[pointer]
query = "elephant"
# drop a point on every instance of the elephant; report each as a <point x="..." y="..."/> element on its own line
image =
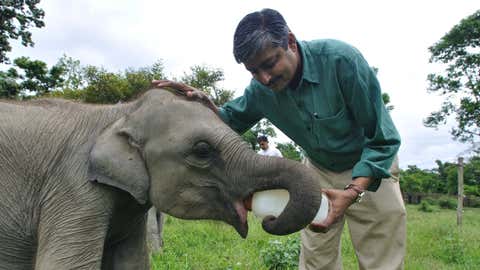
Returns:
<point x="77" y="179"/>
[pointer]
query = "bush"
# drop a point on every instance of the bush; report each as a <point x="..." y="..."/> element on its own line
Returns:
<point x="425" y="206"/>
<point x="281" y="255"/>
<point x="430" y="201"/>
<point x="447" y="203"/>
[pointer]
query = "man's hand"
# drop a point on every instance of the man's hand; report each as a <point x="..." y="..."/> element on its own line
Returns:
<point x="340" y="200"/>
<point x="187" y="90"/>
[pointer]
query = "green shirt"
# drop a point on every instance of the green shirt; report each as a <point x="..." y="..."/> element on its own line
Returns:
<point x="336" y="114"/>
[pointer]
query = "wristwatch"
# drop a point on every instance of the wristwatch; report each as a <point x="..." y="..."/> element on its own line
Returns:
<point x="360" y="191"/>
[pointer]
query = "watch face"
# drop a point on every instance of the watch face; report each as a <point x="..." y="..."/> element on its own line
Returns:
<point x="360" y="197"/>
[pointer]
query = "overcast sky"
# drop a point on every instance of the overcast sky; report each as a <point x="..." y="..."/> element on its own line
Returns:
<point x="394" y="36"/>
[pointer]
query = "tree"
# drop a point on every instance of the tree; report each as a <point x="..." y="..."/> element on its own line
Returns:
<point x="104" y="86"/>
<point x="9" y="88"/>
<point x="32" y="78"/>
<point x="263" y="127"/>
<point x="290" y="150"/>
<point x="385" y="96"/>
<point x="97" y="85"/>
<point x="16" y="17"/>
<point x="73" y="75"/>
<point x="460" y="81"/>
<point x="206" y="79"/>
<point x="140" y="79"/>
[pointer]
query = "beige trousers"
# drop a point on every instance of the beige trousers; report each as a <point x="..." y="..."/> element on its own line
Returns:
<point x="377" y="227"/>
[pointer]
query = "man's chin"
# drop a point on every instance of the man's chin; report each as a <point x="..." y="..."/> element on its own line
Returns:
<point x="278" y="88"/>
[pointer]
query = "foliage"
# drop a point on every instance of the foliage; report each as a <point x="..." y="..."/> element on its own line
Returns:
<point x="447" y="203"/>
<point x="15" y="19"/>
<point x="97" y="85"/>
<point x="415" y="179"/>
<point x="460" y="82"/>
<point x="443" y="179"/>
<point x="282" y="254"/>
<point x="207" y="79"/>
<point x="290" y="150"/>
<point x="73" y="75"/>
<point x="386" y="101"/>
<point x="29" y="77"/>
<point x="263" y="127"/>
<point x="425" y="207"/>
<point x="9" y="88"/>
<point x="105" y="87"/>
<point x="385" y="96"/>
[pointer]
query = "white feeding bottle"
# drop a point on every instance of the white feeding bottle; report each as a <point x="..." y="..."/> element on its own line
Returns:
<point x="272" y="202"/>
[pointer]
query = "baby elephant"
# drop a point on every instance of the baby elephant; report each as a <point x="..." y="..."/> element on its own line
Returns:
<point x="77" y="180"/>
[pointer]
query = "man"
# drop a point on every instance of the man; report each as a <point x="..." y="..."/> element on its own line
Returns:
<point x="266" y="149"/>
<point x="324" y="95"/>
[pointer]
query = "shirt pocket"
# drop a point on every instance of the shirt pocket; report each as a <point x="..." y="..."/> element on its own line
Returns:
<point x="334" y="133"/>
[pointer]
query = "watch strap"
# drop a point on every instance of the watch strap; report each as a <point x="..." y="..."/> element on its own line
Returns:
<point x="359" y="190"/>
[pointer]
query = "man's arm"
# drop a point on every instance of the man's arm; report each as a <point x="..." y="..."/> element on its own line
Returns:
<point x="362" y="93"/>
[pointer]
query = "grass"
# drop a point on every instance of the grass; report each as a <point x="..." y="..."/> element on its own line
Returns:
<point x="434" y="242"/>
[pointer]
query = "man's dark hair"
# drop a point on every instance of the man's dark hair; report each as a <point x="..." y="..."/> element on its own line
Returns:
<point x="258" y="30"/>
<point x="262" y="139"/>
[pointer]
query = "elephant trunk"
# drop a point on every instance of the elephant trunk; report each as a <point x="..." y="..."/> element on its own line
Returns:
<point x="265" y="173"/>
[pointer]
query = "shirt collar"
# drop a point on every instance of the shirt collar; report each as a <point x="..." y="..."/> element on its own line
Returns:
<point x="309" y="68"/>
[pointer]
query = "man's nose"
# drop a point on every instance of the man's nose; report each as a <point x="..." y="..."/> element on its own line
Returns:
<point x="264" y="77"/>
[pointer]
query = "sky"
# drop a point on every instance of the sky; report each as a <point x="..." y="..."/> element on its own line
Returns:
<point x="393" y="36"/>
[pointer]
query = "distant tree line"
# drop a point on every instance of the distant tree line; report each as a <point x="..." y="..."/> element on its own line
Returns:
<point x="442" y="179"/>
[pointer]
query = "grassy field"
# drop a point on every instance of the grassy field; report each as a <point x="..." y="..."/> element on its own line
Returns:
<point x="434" y="242"/>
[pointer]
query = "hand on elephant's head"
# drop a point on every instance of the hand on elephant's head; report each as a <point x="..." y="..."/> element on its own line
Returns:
<point x="180" y="156"/>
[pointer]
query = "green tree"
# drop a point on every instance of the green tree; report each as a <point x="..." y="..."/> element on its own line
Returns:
<point x="16" y="17"/>
<point x="29" y="78"/>
<point x="385" y="96"/>
<point x="290" y="150"/>
<point x="139" y="80"/>
<point x="97" y="85"/>
<point x="263" y="127"/>
<point x="414" y="179"/>
<point x="472" y="176"/>
<point x="459" y="51"/>
<point x="104" y="86"/>
<point x="386" y="101"/>
<point x="207" y="79"/>
<point x="9" y="88"/>
<point x="73" y="75"/>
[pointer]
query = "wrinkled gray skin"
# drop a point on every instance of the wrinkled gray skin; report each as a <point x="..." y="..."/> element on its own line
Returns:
<point x="77" y="180"/>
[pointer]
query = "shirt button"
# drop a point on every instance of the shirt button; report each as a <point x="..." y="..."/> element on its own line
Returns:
<point x="300" y="104"/>
<point x="309" y="128"/>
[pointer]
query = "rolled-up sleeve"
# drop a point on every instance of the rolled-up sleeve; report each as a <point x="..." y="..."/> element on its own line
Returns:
<point x="243" y="112"/>
<point x="362" y="92"/>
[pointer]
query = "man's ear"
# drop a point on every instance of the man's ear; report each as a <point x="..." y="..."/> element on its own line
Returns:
<point x="292" y="42"/>
<point x="116" y="160"/>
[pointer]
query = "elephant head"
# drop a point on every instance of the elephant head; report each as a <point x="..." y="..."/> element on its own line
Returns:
<point x="181" y="157"/>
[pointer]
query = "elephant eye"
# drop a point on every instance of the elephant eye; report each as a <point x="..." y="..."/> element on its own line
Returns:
<point x="201" y="155"/>
<point x="202" y="150"/>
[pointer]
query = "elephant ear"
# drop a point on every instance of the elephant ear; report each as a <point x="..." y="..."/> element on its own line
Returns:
<point x="115" y="160"/>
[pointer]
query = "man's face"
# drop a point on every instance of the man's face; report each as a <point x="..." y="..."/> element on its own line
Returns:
<point x="275" y="67"/>
<point x="263" y="145"/>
